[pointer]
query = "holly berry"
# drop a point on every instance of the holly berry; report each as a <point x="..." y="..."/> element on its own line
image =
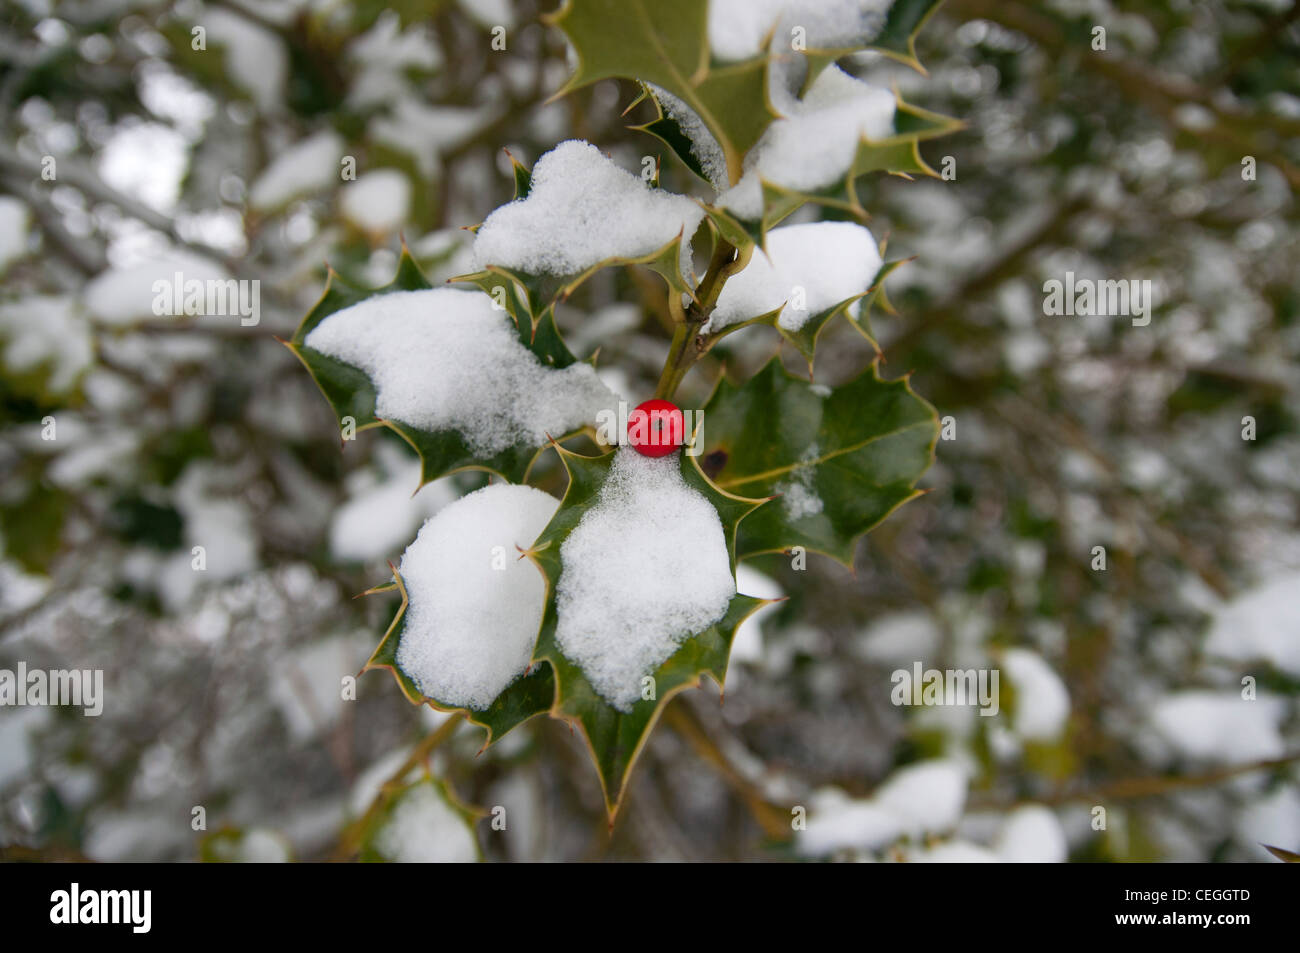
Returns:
<point x="656" y="428"/>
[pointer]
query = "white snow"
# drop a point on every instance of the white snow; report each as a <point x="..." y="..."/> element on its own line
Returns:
<point x="581" y="210"/>
<point x="704" y="145"/>
<point x="309" y="165"/>
<point x="799" y="498"/>
<point x="900" y="637"/>
<point x="1273" y="819"/>
<point x="379" y="517"/>
<point x="382" y="58"/>
<point x="1032" y="835"/>
<point x="1221" y="726"/>
<point x="424" y="829"/>
<point x="825" y="263"/>
<point x="475" y="605"/>
<point x="747" y="646"/>
<point x="14" y="220"/>
<point x="445" y="359"/>
<point x="813" y="147"/>
<point x="426" y="131"/>
<point x="255" y="59"/>
<point x="645" y="569"/>
<point x="1042" y="701"/>
<point x="377" y="202"/>
<point x="1262" y="624"/>
<point x="923" y="798"/>
<point x="46" y="332"/>
<point x="737" y="28"/>
<point x="121" y="296"/>
<point x="926" y="796"/>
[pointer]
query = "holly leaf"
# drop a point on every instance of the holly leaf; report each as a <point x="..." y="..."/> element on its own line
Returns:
<point x="352" y="394"/>
<point x="840" y="459"/>
<point x="804" y="338"/>
<point x="615" y="738"/>
<point x="899" y="154"/>
<point x="665" y="42"/>
<point x="532" y="298"/>
<point x="902" y="23"/>
<point x="529" y="695"/>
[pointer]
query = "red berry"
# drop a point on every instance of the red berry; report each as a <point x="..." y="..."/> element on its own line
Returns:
<point x="656" y="428"/>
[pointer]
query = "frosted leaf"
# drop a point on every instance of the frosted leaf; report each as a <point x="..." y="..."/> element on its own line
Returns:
<point x="813" y="147"/>
<point x="581" y="210"/>
<point x="474" y="606"/>
<point x="704" y="145"/>
<point x="445" y="359"/>
<point x="738" y="28"/>
<point x="310" y="165"/>
<point x="828" y="261"/>
<point x="646" y="568"/>
<point x="424" y="829"/>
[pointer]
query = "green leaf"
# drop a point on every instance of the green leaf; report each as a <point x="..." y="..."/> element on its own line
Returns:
<point x="899" y="154"/>
<point x="533" y="297"/>
<point x="850" y="455"/>
<point x="529" y="695"/>
<point x="670" y="132"/>
<point x="902" y="23"/>
<point x="352" y="394"/>
<point x="805" y="337"/>
<point x="665" y="42"/>
<point x="614" y="737"/>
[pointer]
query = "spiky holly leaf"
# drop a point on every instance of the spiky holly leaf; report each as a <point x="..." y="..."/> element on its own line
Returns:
<point x="841" y="459"/>
<point x="529" y="695"/>
<point x="352" y="394"/>
<point x="856" y="310"/>
<point x="615" y="737"/>
<point x="666" y="42"/>
<point x="902" y="23"/>
<point x="899" y="154"/>
<point x="531" y="299"/>
<point x="450" y="810"/>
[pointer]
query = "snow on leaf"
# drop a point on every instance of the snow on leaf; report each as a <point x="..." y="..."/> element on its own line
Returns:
<point x="649" y="594"/>
<point x="448" y="372"/>
<point x="577" y="213"/>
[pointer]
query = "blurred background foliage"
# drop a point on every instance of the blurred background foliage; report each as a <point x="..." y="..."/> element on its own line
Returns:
<point x="1121" y="686"/>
